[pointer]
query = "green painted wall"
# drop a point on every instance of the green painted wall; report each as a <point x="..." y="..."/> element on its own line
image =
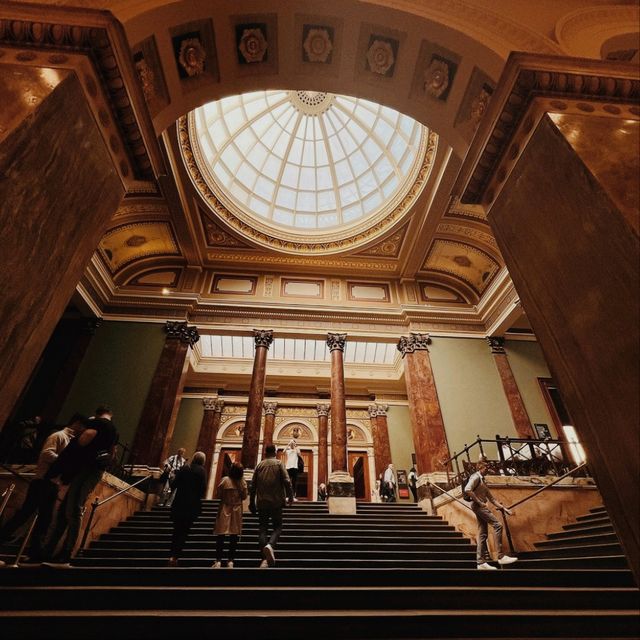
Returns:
<point x="528" y="364"/>
<point x="187" y="429"/>
<point x="470" y="391"/>
<point x="117" y="369"/>
<point x="400" y="436"/>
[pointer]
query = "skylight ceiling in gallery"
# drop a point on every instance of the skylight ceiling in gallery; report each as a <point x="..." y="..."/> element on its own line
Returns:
<point x="298" y="350"/>
<point x="305" y="161"/>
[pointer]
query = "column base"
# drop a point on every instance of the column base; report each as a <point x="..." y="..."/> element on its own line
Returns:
<point x="342" y="494"/>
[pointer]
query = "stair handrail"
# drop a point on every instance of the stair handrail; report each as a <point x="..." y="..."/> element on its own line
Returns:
<point x="451" y="496"/>
<point x="17" y="474"/>
<point x="6" y="496"/>
<point x="546" y="486"/>
<point x="98" y="503"/>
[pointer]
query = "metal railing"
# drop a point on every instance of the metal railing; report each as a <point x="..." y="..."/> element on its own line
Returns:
<point x="98" y="503"/>
<point x="6" y="496"/>
<point x="511" y="457"/>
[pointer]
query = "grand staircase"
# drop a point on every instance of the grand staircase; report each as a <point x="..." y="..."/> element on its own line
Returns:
<point x="388" y="572"/>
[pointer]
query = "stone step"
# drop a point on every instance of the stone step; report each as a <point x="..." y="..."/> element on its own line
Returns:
<point x="585" y="531"/>
<point x="577" y="541"/>
<point x="595" y="522"/>
<point x="172" y="598"/>
<point x="356" y="624"/>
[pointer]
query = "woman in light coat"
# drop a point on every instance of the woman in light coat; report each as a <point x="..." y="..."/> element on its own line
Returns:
<point x="232" y="490"/>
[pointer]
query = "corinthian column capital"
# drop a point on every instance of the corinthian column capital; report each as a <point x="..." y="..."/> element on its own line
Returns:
<point x="263" y="337"/>
<point x="209" y="404"/>
<point x="382" y="410"/>
<point x="373" y="410"/>
<point x="496" y="344"/>
<point x="414" y="342"/>
<point x="323" y="409"/>
<point x="336" y="341"/>
<point x="270" y="408"/>
<point x="183" y="332"/>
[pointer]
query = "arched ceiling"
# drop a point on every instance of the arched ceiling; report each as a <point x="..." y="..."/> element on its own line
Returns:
<point x="437" y="61"/>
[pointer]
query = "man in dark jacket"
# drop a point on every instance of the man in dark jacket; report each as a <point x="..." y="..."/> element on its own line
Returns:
<point x="80" y="465"/>
<point x="189" y="486"/>
<point x="269" y="489"/>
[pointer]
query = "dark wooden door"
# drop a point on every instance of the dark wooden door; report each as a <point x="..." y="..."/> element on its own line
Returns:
<point x="359" y="468"/>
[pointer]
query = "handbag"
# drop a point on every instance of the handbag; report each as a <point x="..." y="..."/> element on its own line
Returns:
<point x="300" y="464"/>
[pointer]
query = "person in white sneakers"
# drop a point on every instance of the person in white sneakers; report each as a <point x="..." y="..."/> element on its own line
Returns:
<point x="478" y="493"/>
<point x="291" y="454"/>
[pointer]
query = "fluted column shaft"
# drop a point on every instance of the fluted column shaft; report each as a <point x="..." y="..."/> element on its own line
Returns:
<point x="519" y="413"/>
<point x="336" y="342"/>
<point x="155" y="429"/>
<point x="323" y="446"/>
<point x="429" y="436"/>
<point x="270" y="409"/>
<point x="251" y="435"/>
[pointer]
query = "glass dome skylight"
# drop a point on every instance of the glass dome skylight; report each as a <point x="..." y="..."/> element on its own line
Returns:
<point x="306" y="162"/>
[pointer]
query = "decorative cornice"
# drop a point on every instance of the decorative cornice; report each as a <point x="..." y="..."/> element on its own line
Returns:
<point x="61" y="36"/>
<point x="529" y="87"/>
<point x="336" y="341"/>
<point x="181" y="331"/>
<point x="323" y="410"/>
<point x="297" y="243"/>
<point x="263" y="337"/>
<point x="496" y="345"/>
<point x="414" y="342"/>
<point x="270" y="408"/>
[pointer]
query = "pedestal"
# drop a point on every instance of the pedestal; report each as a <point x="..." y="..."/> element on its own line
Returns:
<point x="342" y="494"/>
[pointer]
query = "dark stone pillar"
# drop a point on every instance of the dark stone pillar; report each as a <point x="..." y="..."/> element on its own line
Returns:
<point x="209" y="426"/>
<point x="555" y="166"/>
<point x="251" y="436"/>
<point x="429" y="437"/>
<point x="323" y="447"/>
<point x="155" y="429"/>
<point x="62" y="385"/>
<point x="59" y="191"/>
<point x="380" y="433"/>
<point x="519" y="413"/>
<point x="341" y="488"/>
<point x="270" y="409"/>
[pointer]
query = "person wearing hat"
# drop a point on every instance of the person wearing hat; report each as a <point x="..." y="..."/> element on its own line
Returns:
<point x="479" y="495"/>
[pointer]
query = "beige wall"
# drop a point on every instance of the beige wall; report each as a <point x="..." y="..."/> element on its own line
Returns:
<point x="528" y="364"/>
<point x="470" y="391"/>
<point x="187" y="426"/>
<point x="400" y="436"/>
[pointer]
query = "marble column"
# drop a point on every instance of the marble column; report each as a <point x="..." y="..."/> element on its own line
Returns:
<point x="429" y="436"/>
<point x="524" y="429"/>
<point x="323" y="447"/>
<point x="341" y="488"/>
<point x="155" y="428"/>
<point x="53" y="212"/>
<point x="58" y="393"/>
<point x="383" y="454"/>
<point x="555" y="168"/>
<point x="270" y="409"/>
<point x="208" y="434"/>
<point x="251" y="435"/>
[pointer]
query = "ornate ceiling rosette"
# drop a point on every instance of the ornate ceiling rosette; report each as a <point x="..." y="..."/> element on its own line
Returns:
<point x="304" y="172"/>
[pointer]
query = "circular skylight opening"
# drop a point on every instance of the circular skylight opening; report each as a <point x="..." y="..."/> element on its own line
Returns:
<point x="307" y="165"/>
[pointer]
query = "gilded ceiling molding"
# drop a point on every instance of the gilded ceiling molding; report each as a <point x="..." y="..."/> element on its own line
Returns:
<point x="500" y="34"/>
<point x="329" y="264"/>
<point x="530" y="87"/>
<point x="287" y="244"/>
<point x="145" y="209"/>
<point x="97" y="36"/>
<point x="390" y="247"/>
<point x="583" y="32"/>
<point x="471" y="233"/>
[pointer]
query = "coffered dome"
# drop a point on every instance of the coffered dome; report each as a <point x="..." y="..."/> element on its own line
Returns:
<point x="308" y="167"/>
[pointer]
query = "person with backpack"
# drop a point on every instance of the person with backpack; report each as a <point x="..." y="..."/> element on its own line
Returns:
<point x="475" y="490"/>
<point x="80" y="465"/>
<point x="270" y="489"/>
<point x="231" y="492"/>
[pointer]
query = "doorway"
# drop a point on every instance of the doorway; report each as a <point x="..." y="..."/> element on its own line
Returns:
<point x="226" y="458"/>
<point x="304" y="483"/>
<point x="359" y="469"/>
